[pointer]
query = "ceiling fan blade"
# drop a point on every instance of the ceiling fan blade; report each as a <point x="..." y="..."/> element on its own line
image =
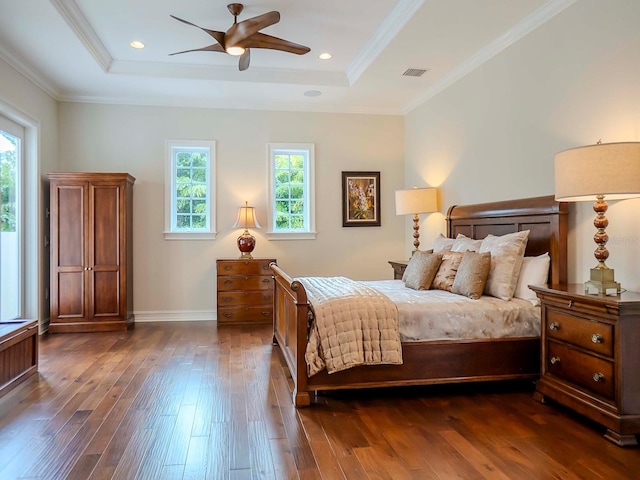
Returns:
<point x="261" y="40"/>
<point x="245" y="58"/>
<point x="219" y="36"/>
<point x="240" y="31"/>
<point x="211" y="48"/>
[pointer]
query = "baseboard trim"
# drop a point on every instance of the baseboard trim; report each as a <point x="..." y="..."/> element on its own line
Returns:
<point x="175" y="316"/>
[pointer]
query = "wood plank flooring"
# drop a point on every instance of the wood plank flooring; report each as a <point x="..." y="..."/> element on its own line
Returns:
<point x="193" y="401"/>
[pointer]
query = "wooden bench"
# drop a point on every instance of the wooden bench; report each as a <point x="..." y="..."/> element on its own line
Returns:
<point x="18" y="352"/>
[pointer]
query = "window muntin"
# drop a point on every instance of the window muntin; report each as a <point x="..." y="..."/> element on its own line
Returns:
<point x="291" y="188"/>
<point x="189" y="190"/>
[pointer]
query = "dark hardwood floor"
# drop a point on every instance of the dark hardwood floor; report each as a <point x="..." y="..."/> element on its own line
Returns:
<point x="192" y="401"/>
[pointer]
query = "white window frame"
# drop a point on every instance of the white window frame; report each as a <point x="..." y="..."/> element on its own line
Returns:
<point x="170" y="231"/>
<point x="308" y="149"/>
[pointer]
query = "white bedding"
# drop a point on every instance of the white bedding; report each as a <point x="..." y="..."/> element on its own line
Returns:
<point x="451" y="316"/>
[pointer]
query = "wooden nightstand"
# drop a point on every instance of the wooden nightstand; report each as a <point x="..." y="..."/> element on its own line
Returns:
<point x="398" y="268"/>
<point x="591" y="357"/>
<point x="245" y="291"/>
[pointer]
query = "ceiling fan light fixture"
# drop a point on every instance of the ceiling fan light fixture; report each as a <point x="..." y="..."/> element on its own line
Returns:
<point x="235" y="51"/>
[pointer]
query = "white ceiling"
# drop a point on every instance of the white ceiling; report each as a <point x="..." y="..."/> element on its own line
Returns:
<point x="78" y="50"/>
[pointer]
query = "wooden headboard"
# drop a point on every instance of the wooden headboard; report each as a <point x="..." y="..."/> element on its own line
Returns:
<point x="545" y="219"/>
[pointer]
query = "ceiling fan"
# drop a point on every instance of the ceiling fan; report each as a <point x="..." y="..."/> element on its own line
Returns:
<point x="241" y="37"/>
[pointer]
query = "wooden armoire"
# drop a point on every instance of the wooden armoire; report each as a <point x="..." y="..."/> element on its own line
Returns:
<point x="91" y="252"/>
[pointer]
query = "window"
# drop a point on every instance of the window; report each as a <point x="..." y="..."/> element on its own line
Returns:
<point x="11" y="225"/>
<point x="189" y="190"/>
<point x="291" y="191"/>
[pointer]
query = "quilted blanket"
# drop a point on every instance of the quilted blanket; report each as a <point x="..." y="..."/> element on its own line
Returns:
<point x="353" y="325"/>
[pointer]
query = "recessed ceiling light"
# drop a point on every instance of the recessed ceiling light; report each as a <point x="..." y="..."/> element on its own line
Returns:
<point x="325" y="56"/>
<point x="137" y="44"/>
<point x="312" y="93"/>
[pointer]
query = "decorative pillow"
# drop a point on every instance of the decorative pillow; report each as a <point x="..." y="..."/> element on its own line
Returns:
<point x="472" y="274"/>
<point x="463" y="243"/>
<point x="442" y="244"/>
<point x="534" y="271"/>
<point x="421" y="269"/>
<point x="447" y="271"/>
<point x="507" y="252"/>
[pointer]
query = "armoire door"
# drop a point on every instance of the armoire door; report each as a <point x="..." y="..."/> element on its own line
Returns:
<point x="69" y="294"/>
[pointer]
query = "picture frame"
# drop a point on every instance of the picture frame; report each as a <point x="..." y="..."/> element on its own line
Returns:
<point x="361" y="199"/>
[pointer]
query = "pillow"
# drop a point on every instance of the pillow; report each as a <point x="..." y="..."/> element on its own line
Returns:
<point x="463" y="243"/>
<point x="472" y="274"/>
<point x="507" y="252"/>
<point x="421" y="269"/>
<point x="442" y="244"/>
<point x="534" y="271"/>
<point x="447" y="271"/>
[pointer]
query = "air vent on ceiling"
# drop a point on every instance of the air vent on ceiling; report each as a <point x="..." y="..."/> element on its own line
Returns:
<point x="414" y="72"/>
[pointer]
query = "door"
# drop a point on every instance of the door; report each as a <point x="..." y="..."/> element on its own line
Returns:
<point x="105" y="253"/>
<point x="69" y="216"/>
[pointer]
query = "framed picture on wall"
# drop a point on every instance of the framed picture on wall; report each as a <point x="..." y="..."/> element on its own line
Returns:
<point x="360" y="199"/>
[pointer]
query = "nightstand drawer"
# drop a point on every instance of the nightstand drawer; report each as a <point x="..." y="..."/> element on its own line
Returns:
<point x="252" y="298"/>
<point x="593" y="373"/>
<point x="238" y="282"/>
<point x="246" y="267"/>
<point x="245" y="314"/>
<point x="586" y="333"/>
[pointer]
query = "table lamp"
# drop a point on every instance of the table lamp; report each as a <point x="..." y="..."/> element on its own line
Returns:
<point x="246" y="219"/>
<point x="593" y="172"/>
<point x="415" y="201"/>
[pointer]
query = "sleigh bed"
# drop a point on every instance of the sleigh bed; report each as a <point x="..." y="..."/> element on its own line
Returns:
<point x="435" y="361"/>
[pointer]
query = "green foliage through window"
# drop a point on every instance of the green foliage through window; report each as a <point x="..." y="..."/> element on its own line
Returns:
<point x="8" y="179"/>
<point x="191" y="189"/>
<point x="289" y="183"/>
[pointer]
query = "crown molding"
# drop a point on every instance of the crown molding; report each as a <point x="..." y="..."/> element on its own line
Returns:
<point x="390" y="27"/>
<point x="74" y="17"/>
<point x="521" y="29"/>
<point x="30" y="73"/>
<point x="226" y="73"/>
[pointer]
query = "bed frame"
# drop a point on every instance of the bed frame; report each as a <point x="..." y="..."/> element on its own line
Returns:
<point x="435" y="361"/>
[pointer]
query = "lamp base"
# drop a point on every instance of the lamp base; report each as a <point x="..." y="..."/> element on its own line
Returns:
<point x="602" y="279"/>
<point x="246" y="244"/>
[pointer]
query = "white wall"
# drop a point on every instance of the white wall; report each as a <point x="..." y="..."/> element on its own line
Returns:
<point x="28" y="105"/>
<point x="493" y="134"/>
<point x="179" y="276"/>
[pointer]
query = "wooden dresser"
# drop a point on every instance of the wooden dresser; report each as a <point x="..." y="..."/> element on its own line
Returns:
<point x="398" y="268"/>
<point x="245" y="291"/>
<point x="591" y="357"/>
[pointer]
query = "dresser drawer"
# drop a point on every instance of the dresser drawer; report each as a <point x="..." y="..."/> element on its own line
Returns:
<point x="239" y="282"/>
<point x="246" y="267"/>
<point x="253" y="298"/>
<point x="592" y="373"/>
<point x="245" y="314"/>
<point x="588" y="334"/>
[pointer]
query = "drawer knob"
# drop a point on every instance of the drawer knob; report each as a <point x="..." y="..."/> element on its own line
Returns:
<point x="226" y="299"/>
<point x="228" y="282"/>
<point x="266" y="297"/>
<point x="227" y="315"/>
<point x="596" y="338"/>
<point x="598" y="377"/>
<point x="266" y="314"/>
<point x="554" y="326"/>
<point x="555" y="360"/>
<point x="227" y="267"/>
<point x="266" y="280"/>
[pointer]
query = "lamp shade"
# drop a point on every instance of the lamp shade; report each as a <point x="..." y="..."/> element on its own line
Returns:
<point x="246" y="218"/>
<point x="416" y="200"/>
<point x="609" y="169"/>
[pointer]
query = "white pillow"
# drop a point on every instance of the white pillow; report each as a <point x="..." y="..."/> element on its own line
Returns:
<point x="442" y="244"/>
<point x="507" y="252"/>
<point x="534" y="271"/>
<point x="463" y="243"/>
